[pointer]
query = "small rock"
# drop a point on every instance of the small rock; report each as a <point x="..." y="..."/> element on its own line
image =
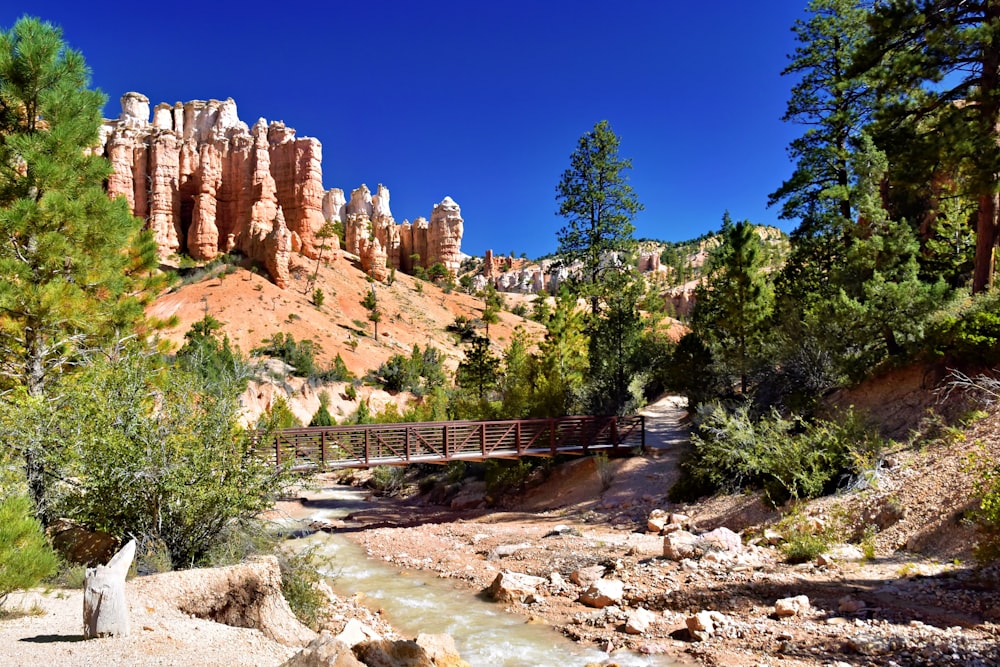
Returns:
<point x="795" y="606"/>
<point x="585" y="576"/>
<point x="513" y="586"/>
<point x="638" y="621"/>
<point x="603" y="593"/>
<point x="724" y="539"/>
<point x="700" y="626"/>
<point x="681" y="544"/>
<point x="656" y="520"/>
<point x="849" y="605"/>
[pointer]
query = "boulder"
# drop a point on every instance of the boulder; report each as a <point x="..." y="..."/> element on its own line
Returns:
<point x="657" y="520"/>
<point x="441" y="649"/>
<point x="324" y="651"/>
<point x="105" y="611"/>
<point x="247" y="595"/>
<point x="638" y="621"/>
<point x="389" y="653"/>
<point x="586" y="576"/>
<point x="514" y="586"/>
<point x="681" y="544"/>
<point x="840" y="553"/>
<point x="701" y="626"/>
<point x="603" y="593"/>
<point x="355" y="632"/>
<point x="794" y="606"/>
<point x="723" y="539"/>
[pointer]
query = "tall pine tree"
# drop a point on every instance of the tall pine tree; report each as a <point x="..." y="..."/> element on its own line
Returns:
<point x="598" y="203"/>
<point x="69" y="253"/>
<point x="736" y="299"/>
<point x="939" y="64"/>
<point x="68" y="250"/>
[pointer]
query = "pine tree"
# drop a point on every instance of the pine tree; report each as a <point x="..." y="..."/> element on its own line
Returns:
<point x="834" y="104"/>
<point x="370" y="302"/>
<point x="70" y="255"/>
<point x="939" y="65"/>
<point x="736" y="299"/>
<point x="599" y="205"/>
<point x="68" y="250"/>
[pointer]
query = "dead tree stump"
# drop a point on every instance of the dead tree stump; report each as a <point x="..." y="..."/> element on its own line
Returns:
<point x="105" y="611"/>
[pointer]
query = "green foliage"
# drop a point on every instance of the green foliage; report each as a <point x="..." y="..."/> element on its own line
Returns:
<point x="388" y="480"/>
<point x="370" y="303"/>
<point x="479" y="371"/>
<point x="988" y="515"/>
<point x="25" y="555"/>
<point x="787" y="458"/>
<point x="503" y="477"/>
<point x="300" y="579"/>
<point x="438" y="273"/>
<point x="206" y="353"/>
<point x="736" y="300"/>
<point x="804" y="539"/>
<point x="598" y="203"/>
<point x="614" y="347"/>
<point x="323" y="417"/>
<point x="318" y="298"/>
<point x="968" y="331"/>
<point x="151" y="451"/>
<point x="301" y="355"/>
<point x="418" y="373"/>
<point x="463" y="326"/>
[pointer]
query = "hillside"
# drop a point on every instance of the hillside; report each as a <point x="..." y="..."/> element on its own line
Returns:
<point x="252" y="309"/>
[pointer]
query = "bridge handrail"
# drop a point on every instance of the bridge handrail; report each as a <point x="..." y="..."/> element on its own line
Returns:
<point x="365" y="445"/>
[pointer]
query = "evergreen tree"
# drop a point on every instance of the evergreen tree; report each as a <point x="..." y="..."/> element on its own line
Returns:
<point x="370" y="302"/>
<point x="614" y="345"/>
<point x="68" y="250"/>
<point x="562" y="360"/>
<point x="834" y="105"/>
<point x="480" y="370"/>
<point x="939" y="65"/>
<point x="736" y="299"/>
<point x="598" y="203"/>
<point x="69" y="254"/>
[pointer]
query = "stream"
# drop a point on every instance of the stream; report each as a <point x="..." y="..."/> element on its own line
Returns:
<point x="414" y="602"/>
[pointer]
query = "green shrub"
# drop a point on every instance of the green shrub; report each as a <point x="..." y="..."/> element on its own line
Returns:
<point x="504" y="477"/>
<point x="300" y="577"/>
<point x="155" y="452"/>
<point x="968" y="330"/>
<point x="299" y="354"/>
<point x="787" y="458"/>
<point x="805" y="540"/>
<point x="25" y="555"/>
<point x="388" y="480"/>
<point x="318" y="297"/>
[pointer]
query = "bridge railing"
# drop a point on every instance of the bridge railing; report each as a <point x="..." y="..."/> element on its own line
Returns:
<point x="363" y="446"/>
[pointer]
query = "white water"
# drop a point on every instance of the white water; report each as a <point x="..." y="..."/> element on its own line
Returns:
<point x="485" y="635"/>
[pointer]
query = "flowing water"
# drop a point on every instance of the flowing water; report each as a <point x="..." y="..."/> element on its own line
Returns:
<point x="485" y="635"/>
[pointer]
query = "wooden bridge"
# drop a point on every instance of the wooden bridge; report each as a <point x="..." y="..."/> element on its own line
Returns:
<point x="363" y="446"/>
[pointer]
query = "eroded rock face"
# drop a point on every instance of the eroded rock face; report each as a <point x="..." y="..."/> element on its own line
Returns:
<point x="207" y="183"/>
<point x="406" y="246"/>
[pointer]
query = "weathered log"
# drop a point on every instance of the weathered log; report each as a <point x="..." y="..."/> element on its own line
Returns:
<point x="105" y="611"/>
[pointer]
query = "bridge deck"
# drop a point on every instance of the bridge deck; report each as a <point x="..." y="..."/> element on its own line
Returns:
<point x="364" y="446"/>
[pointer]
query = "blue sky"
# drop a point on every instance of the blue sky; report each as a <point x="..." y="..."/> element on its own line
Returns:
<point x="481" y="101"/>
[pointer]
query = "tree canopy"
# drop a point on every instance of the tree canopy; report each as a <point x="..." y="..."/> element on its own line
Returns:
<point x="598" y="203"/>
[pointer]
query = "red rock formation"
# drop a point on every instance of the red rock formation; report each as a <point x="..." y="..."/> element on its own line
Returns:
<point x="369" y="217"/>
<point x="206" y="183"/>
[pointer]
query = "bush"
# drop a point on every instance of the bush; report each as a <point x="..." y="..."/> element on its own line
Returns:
<point x="300" y="578"/>
<point x="299" y="354"/>
<point x="387" y="480"/>
<point x="25" y="555"/>
<point x="318" y="297"/>
<point x="504" y="477"/>
<point x="787" y="458"/>
<point x="969" y="331"/>
<point x="155" y="452"/>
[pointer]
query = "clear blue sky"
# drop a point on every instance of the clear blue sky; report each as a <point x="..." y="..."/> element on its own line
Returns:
<point x="481" y="101"/>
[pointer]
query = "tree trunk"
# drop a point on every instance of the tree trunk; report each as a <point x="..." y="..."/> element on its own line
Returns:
<point x="986" y="240"/>
<point x="105" y="611"/>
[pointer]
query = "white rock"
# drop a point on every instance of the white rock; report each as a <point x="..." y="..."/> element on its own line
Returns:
<point x="795" y="606"/>
<point x="638" y="621"/>
<point x="603" y="593"/>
